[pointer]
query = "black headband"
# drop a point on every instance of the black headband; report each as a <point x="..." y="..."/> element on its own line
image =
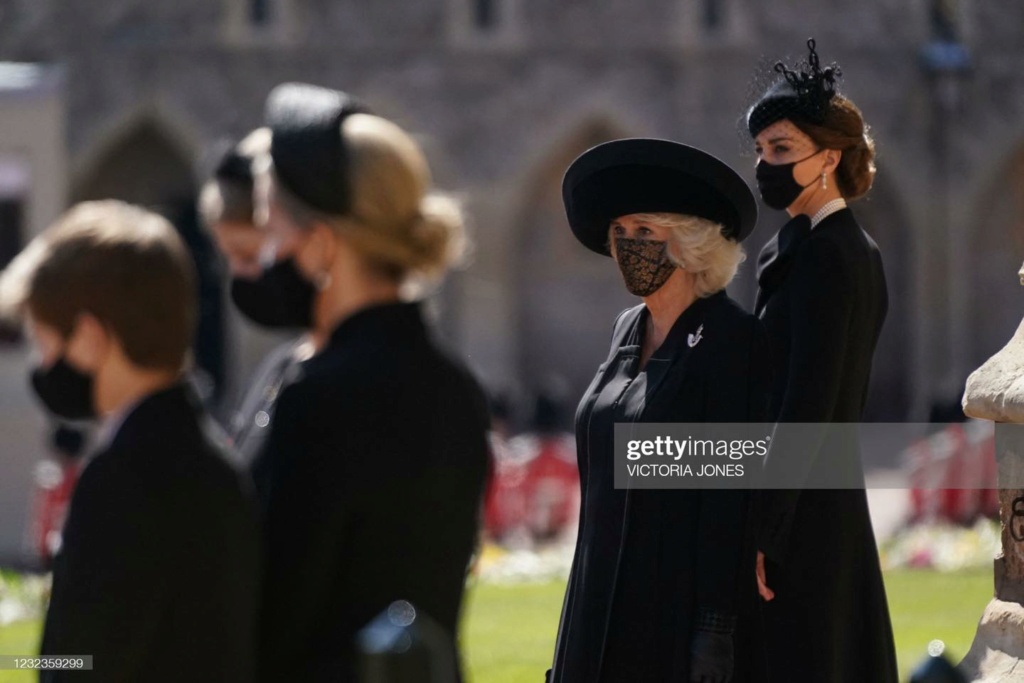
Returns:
<point x="309" y="155"/>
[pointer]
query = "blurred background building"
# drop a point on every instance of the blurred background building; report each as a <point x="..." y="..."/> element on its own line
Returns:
<point x="123" y="98"/>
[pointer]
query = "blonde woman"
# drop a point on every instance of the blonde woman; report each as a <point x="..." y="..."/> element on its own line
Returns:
<point x="660" y="587"/>
<point x="377" y="453"/>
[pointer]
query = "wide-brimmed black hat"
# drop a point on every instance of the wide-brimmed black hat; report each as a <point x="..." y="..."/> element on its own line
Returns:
<point x="641" y="175"/>
<point x="309" y="154"/>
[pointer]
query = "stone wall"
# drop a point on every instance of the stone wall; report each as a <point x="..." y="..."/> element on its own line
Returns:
<point x="501" y="112"/>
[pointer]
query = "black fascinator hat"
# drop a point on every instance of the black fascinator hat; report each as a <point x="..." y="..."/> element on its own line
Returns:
<point x="801" y="95"/>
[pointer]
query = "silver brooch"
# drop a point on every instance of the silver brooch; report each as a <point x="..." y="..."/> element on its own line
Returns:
<point x="695" y="337"/>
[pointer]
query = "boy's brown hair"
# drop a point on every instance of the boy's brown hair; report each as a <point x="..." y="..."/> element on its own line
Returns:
<point x="124" y="265"/>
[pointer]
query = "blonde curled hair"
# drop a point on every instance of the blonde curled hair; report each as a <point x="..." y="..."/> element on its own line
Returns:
<point x="698" y="246"/>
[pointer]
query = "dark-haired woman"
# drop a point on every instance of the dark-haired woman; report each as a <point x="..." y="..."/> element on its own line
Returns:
<point x="822" y="298"/>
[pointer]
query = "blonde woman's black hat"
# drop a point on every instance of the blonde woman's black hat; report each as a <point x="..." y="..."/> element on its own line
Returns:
<point x="309" y="154"/>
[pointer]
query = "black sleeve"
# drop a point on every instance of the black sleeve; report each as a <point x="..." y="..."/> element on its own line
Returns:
<point x="760" y="376"/>
<point x="820" y="313"/>
<point x="304" y="530"/>
<point x="110" y="580"/>
<point x="724" y="513"/>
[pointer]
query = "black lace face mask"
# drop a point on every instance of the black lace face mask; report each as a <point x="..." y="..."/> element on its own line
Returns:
<point x="644" y="264"/>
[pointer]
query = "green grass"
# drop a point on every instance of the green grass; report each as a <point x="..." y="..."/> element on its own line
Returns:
<point x="508" y="634"/>
<point x="509" y="631"/>
<point x="20" y="638"/>
<point x="926" y="605"/>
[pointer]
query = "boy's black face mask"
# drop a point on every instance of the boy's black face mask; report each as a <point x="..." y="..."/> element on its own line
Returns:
<point x="65" y="391"/>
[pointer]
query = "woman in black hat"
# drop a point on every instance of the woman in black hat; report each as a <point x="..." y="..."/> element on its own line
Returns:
<point x="377" y="453"/>
<point x="823" y="299"/>
<point x="662" y="579"/>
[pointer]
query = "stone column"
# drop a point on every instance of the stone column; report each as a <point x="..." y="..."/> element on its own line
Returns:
<point x="995" y="391"/>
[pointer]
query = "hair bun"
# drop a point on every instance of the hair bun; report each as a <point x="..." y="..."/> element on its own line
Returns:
<point x="437" y="235"/>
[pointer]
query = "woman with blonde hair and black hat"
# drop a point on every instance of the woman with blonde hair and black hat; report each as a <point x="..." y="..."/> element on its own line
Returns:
<point x="823" y="299"/>
<point x="377" y="453"/>
<point x="661" y="585"/>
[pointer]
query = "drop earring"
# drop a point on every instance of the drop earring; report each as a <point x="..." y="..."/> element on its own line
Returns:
<point x="824" y="180"/>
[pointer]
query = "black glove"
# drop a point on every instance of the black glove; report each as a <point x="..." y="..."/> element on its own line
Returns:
<point x="711" y="650"/>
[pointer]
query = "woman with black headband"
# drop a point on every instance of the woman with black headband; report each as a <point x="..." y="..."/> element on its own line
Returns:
<point x="823" y="299"/>
<point x="377" y="453"/>
<point x="662" y="582"/>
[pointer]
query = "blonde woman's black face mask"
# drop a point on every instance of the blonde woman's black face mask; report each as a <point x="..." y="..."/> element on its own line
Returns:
<point x="281" y="297"/>
<point x="644" y="264"/>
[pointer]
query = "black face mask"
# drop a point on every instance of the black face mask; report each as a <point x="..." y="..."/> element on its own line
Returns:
<point x="280" y="297"/>
<point x="644" y="264"/>
<point x="777" y="185"/>
<point x="65" y="391"/>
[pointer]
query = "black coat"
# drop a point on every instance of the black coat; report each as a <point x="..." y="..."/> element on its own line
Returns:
<point x="823" y="300"/>
<point x="649" y="563"/>
<point x="157" y="574"/>
<point x="378" y="455"/>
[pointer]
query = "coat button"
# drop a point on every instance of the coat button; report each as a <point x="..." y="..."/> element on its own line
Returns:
<point x="262" y="419"/>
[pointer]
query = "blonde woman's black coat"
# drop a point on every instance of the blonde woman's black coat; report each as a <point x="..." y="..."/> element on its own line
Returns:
<point x="823" y="300"/>
<point x="376" y="462"/>
<point x="651" y="564"/>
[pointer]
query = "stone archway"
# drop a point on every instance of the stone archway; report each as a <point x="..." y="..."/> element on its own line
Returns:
<point x="143" y="165"/>
<point x="567" y="296"/>
<point x="996" y="238"/>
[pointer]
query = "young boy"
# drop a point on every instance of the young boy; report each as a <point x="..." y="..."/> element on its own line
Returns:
<point x="157" y="574"/>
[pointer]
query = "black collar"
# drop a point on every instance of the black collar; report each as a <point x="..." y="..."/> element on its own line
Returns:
<point x="686" y="324"/>
<point x="165" y="414"/>
<point x="777" y="256"/>
<point x="393" y="318"/>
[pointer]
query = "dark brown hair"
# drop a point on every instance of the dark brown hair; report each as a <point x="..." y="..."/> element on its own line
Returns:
<point x="228" y="195"/>
<point x="225" y="201"/>
<point x="843" y="129"/>
<point x="127" y="267"/>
